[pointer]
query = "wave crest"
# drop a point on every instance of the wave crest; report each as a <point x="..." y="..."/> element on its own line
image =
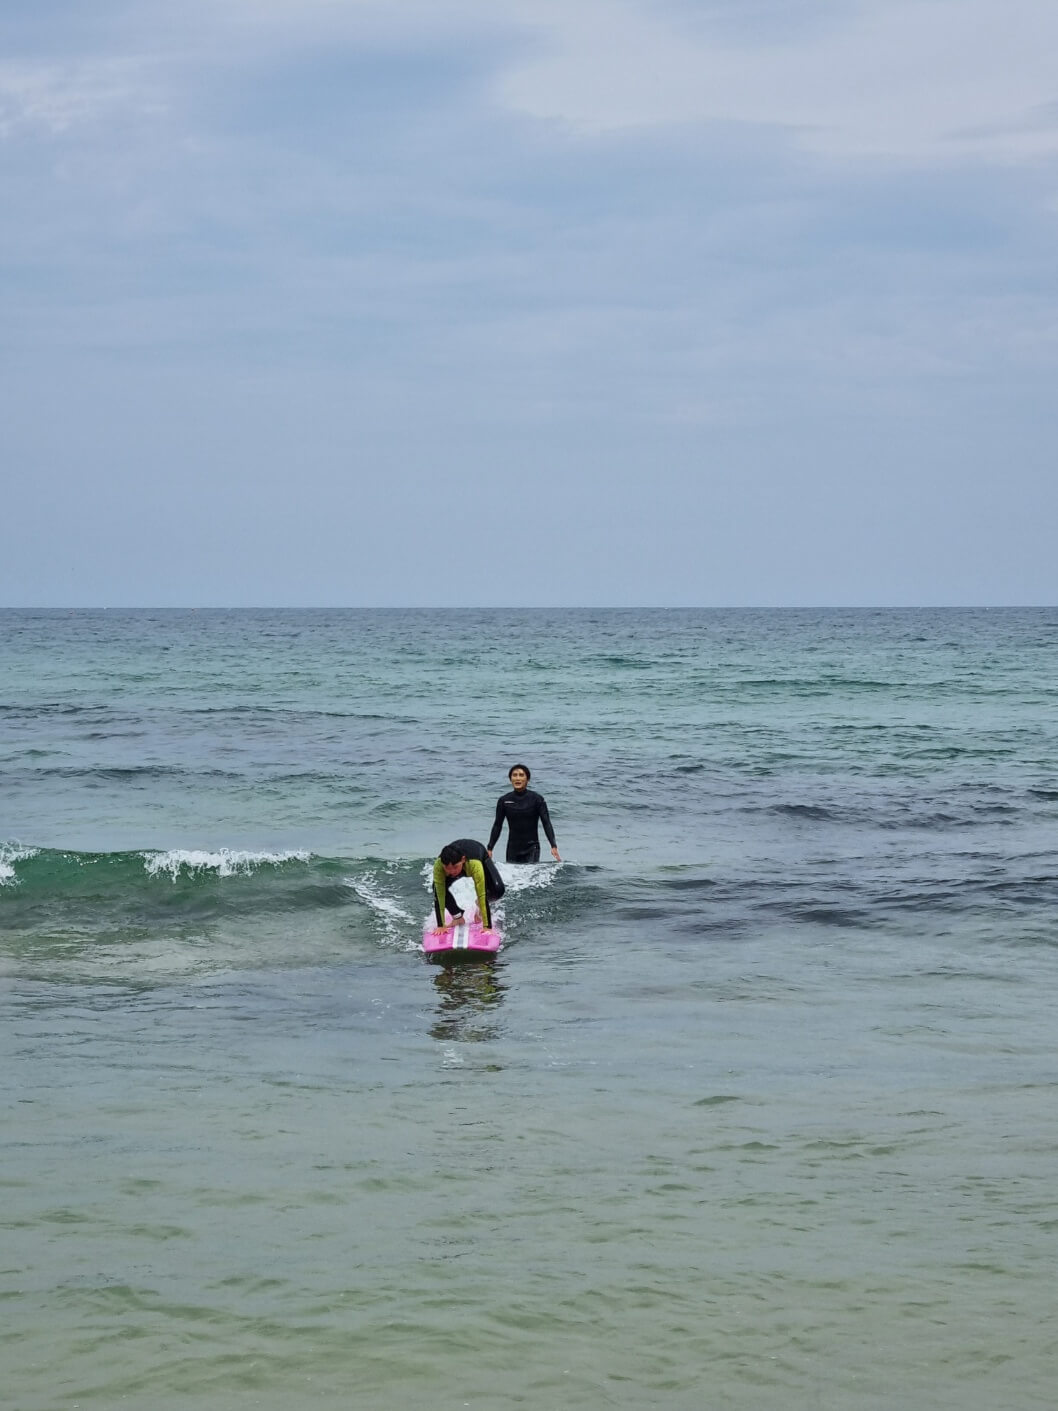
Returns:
<point x="223" y="862"/>
<point x="10" y="853"/>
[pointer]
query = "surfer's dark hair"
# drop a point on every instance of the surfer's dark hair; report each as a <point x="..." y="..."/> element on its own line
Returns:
<point x="524" y="768"/>
<point x="450" y="854"/>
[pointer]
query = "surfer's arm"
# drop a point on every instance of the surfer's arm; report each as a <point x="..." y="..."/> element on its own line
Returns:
<point x="477" y="871"/>
<point x="440" y="892"/>
<point x="545" y="819"/>
<point x="497" y="827"/>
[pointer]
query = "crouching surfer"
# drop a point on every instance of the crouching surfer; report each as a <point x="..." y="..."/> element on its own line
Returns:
<point x="465" y="858"/>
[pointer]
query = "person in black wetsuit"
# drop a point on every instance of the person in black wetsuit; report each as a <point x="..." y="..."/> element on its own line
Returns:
<point x="465" y="858"/>
<point x="522" y="809"/>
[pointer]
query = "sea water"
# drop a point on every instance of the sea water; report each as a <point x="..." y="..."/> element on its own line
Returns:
<point x="758" y="1107"/>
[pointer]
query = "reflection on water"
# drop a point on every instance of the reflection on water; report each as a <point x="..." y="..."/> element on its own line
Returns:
<point x="468" y="996"/>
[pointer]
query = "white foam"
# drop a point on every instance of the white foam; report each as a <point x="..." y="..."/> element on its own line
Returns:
<point x="520" y="876"/>
<point x="368" y="890"/>
<point x="225" y="862"/>
<point x="394" y="918"/>
<point x="10" y="853"/>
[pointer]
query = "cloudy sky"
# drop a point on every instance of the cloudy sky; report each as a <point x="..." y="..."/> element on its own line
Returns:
<point x="528" y="302"/>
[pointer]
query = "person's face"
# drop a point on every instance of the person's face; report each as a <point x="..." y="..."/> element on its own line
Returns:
<point x="519" y="779"/>
<point x="453" y="869"/>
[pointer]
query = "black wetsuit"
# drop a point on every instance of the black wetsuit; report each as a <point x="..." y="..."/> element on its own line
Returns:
<point x="522" y="811"/>
<point x="473" y="851"/>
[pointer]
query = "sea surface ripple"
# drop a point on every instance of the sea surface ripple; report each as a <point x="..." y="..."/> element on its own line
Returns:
<point x="756" y="1108"/>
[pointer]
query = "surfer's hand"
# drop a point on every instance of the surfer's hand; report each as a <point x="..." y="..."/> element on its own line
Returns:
<point x="554" y="854"/>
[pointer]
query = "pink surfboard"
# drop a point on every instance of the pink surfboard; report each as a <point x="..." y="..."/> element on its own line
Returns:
<point x="469" y="938"/>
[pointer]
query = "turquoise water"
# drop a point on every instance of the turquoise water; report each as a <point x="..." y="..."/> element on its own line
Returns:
<point x="755" y="1109"/>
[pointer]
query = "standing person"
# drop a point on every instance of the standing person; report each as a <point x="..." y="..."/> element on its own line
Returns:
<point x="465" y="858"/>
<point x="522" y="809"/>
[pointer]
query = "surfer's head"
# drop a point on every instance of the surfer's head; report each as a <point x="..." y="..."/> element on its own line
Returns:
<point x="519" y="776"/>
<point x="452" y="860"/>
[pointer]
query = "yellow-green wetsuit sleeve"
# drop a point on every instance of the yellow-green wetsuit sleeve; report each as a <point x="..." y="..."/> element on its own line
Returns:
<point x="476" y="870"/>
<point x="439" y="887"/>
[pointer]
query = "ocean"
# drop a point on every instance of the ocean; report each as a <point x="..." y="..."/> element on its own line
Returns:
<point x="757" y="1108"/>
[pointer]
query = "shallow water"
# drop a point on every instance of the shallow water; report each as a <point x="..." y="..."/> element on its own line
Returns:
<point x="756" y="1108"/>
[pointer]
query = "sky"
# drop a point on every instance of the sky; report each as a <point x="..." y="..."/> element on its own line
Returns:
<point x="528" y="302"/>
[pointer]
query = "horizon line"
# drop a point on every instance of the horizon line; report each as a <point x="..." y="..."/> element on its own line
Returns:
<point x="527" y="607"/>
